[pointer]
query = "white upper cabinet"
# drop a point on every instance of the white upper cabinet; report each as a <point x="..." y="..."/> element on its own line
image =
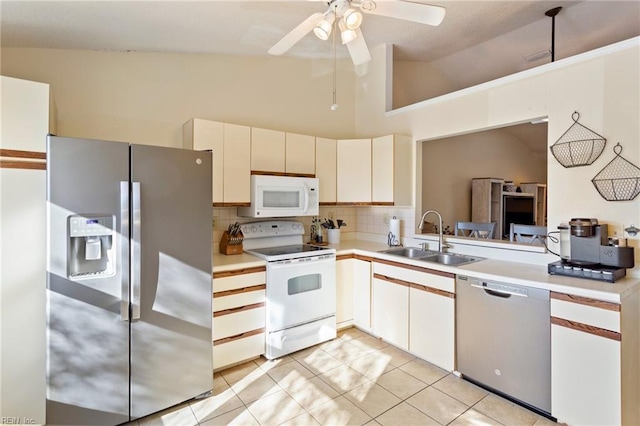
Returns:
<point x="231" y="146"/>
<point x="237" y="160"/>
<point x="300" y="154"/>
<point x="354" y="171"/>
<point x="382" y="169"/>
<point x="267" y="150"/>
<point x="203" y="135"/>
<point x="326" y="169"/>
<point x="392" y="167"/>
<point x="351" y="171"/>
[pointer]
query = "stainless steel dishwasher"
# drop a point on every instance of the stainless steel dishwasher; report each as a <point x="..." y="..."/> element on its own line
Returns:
<point x="503" y="339"/>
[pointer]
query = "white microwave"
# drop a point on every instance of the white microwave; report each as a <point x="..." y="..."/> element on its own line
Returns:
<point x="282" y="196"/>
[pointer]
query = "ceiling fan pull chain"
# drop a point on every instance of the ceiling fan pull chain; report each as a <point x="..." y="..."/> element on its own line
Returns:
<point x="334" y="106"/>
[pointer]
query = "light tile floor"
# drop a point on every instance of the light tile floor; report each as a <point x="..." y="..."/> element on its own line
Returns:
<point x="355" y="379"/>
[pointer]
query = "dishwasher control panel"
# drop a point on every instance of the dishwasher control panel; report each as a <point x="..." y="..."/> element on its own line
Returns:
<point x="501" y="288"/>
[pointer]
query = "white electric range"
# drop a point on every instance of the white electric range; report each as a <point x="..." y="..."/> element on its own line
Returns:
<point x="300" y="287"/>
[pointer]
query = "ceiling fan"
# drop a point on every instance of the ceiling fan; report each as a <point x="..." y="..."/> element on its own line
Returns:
<point x="347" y="16"/>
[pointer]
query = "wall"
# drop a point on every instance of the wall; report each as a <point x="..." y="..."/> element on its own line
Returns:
<point x="492" y="153"/>
<point x="146" y="97"/>
<point x="416" y="81"/>
<point x="602" y="85"/>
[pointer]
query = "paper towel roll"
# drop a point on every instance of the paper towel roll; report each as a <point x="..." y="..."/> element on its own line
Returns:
<point x="394" y="228"/>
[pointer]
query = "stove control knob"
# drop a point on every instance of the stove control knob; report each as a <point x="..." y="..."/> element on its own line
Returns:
<point x="254" y="229"/>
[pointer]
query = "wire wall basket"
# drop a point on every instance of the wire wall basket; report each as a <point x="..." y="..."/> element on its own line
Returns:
<point x="578" y="145"/>
<point x="619" y="180"/>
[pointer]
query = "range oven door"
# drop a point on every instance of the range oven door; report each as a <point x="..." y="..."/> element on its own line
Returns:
<point x="300" y="291"/>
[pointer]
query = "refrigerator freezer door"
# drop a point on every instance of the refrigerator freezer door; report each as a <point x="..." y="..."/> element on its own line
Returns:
<point x="87" y="338"/>
<point x="171" y="351"/>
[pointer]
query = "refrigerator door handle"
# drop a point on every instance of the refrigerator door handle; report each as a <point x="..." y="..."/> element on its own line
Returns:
<point x="135" y="251"/>
<point x="124" y="252"/>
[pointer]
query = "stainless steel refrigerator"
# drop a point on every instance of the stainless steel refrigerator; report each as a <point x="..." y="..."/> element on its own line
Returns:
<point x="128" y="279"/>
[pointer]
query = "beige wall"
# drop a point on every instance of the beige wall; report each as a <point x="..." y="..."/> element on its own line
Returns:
<point x="602" y="85"/>
<point x="449" y="164"/>
<point x="414" y="82"/>
<point x="146" y="97"/>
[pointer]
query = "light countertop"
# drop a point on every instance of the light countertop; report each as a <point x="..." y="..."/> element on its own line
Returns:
<point x="487" y="269"/>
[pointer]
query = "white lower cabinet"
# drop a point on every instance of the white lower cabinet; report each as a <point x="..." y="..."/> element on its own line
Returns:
<point x="414" y="309"/>
<point x="238" y="316"/>
<point x="344" y="291"/>
<point x="362" y="293"/>
<point x="582" y="391"/>
<point x="390" y="310"/>
<point x="594" y="353"/>
<point x="432" y="325"/>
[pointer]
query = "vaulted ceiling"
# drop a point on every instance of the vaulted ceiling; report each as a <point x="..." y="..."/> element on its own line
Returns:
<point x="251" y="27"/>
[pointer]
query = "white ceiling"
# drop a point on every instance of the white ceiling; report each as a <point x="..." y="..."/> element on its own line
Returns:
<point x="252" y="27"/>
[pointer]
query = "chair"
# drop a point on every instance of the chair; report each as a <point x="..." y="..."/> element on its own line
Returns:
<point x="475" y="229"/>
<point x="531" y="234"/>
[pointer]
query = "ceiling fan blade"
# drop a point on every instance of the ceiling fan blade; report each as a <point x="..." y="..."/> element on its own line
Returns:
<point x="295" y="35"/>
<point x="408" y="11"/>
<point x="358" y="49"/>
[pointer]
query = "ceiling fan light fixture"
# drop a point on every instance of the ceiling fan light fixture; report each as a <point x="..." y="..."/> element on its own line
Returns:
<point x="352" y="19"/>
<point x="346" y="35"/>
<point x="323" y="29"/>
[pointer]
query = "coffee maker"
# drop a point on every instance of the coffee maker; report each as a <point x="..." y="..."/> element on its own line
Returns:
<point x="588" y="252"/>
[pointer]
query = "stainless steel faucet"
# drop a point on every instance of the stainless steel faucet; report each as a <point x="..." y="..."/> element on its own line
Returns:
<point x="441" y="244"/>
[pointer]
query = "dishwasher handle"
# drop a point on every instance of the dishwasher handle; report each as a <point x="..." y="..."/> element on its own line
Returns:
<point x="501" y="290"/>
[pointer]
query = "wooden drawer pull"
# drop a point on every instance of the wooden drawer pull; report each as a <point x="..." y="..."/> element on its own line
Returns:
<point x="585" y="301"/>
<point x="238" y="336"/>
<point x="238" y="309"/>
<point x="585" y="328"/>
<point x="245" y="271"/>
<point x="240" y="290"/>
<point x="433" y="290"/>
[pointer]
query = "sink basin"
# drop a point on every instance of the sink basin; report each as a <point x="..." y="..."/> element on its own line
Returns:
<point x="432" y="256"/>
<point x="410" y="252"/>
<point x="451" y="259"/>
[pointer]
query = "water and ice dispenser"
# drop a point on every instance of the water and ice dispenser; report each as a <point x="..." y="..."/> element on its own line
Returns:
<point x="90" y="243"/>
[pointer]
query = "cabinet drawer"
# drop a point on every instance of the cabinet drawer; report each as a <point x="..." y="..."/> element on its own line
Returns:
<point x="232" y="322"/>
<point x="606" y="316"/>
<point x="231" y="300"/>
<point x="233" y="351"/>
<point x="413" y="276"/>
<point x="233" y="282"/>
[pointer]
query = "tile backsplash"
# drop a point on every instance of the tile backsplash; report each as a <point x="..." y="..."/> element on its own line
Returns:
<point x="361" y="219"/>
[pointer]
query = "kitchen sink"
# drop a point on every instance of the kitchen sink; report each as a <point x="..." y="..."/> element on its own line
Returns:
<point x="451" y="259"/>
<point x="410" y="252"/>
<point x="432" y="256"/>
